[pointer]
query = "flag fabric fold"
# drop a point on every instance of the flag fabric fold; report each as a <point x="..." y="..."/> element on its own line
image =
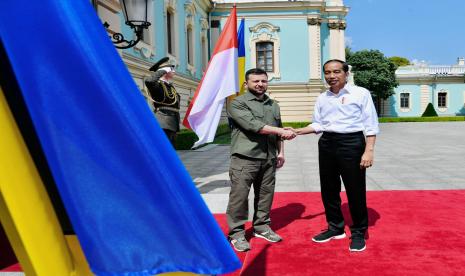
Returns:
<point x="131" y="202"/>
<point x="219" y="81"/>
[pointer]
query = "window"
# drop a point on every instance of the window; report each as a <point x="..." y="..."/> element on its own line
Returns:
<point x="265" y="56"/>
<point x="404" y="100"/>
<point x="442" y="99"/>
<point x="170" y="31"/>
<point x="204" y="53"/>
<point x="190" y="46"/>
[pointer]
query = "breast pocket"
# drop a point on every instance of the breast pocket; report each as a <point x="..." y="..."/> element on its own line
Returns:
<point x="258" y="113"/>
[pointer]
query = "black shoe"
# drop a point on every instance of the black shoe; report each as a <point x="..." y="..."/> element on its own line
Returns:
<point x="357" y="243"/>
<point x="328" y="235"/>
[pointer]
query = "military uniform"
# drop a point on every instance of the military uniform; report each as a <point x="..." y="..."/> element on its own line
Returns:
<point x="165" y="100"/>
<point x="253" y="161"/>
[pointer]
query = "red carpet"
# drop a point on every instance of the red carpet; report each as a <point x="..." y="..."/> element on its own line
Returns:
<point x="410" y="233"/>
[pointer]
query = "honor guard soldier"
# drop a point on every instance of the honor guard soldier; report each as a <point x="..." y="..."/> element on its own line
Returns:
<point x="165" y="99"/>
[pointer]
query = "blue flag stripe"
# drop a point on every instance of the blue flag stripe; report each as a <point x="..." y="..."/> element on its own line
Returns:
<point x="132" y="204"/>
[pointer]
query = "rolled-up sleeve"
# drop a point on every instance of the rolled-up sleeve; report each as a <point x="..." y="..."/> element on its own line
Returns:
<point x="243" y="117"/>
<point x="316" y="119"/>
<point x="370" y="118"/>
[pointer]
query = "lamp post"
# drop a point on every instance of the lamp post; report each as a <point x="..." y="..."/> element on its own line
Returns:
<point x="135" y="14"/>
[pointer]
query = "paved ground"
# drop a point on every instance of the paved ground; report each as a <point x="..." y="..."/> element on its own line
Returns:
<point x="408" y="156"/>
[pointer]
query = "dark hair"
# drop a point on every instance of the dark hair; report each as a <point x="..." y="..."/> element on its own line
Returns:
<point x="255" y="71"/>
<point x="345" y="66"/>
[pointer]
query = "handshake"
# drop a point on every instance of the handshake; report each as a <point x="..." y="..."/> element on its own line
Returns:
<point x="288" y="133"/>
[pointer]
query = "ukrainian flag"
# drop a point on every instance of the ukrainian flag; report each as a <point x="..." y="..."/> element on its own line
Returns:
<point x="240" y="61"/>
<point x="241" y="57"/>
<point x="131" y="202"/>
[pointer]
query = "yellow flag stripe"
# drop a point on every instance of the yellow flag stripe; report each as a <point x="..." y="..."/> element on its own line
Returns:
<point x="25" y="209"/>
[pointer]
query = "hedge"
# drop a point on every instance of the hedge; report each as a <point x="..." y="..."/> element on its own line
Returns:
<point x="186" y="137"/>
<point x="429" y="111"/>
<point x="420" y="119"/>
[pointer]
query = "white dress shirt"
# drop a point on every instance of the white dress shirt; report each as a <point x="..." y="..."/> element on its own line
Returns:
<point x="350" y="110"/>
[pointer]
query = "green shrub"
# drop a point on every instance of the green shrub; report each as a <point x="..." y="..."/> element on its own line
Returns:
<point x="420" y="119"/>
<point x="186" y="137"/>
<point x="429" y="111"/>
<point x="296" y="124"/>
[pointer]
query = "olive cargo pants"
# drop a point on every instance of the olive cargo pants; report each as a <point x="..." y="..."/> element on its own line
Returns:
<point x="245" y="172"/>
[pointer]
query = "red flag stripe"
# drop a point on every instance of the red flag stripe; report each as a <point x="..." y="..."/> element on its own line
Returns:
<point x="227" y="40"/>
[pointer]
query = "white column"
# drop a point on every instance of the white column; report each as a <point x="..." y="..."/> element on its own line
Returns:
<point x="314" y="43"/>
<point x="336" y="40"/>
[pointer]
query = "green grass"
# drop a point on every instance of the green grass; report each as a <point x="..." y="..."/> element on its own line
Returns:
<point x="224" y="139"/>
<point x="186" y="138"/>
<point x="421" y="119"/>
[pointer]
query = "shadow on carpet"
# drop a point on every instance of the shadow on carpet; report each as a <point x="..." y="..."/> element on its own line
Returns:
<point x="410" y="233"/>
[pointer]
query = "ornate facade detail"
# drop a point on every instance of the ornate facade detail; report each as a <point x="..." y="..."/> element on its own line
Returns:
<point x="337" y="25"/>
<point x="204" y="24"/>
<point x="264" y="25"/>
<point x="314" y="21"/>
<point x="190" y="9"/>
<point x="266" y="32"/>
<point x="171" y="4"/>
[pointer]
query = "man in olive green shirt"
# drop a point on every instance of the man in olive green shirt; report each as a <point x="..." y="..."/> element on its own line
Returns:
<point x="257" y="149"/>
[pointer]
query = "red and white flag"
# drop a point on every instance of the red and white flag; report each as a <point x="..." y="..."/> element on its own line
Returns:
<point x="219" y="81"/>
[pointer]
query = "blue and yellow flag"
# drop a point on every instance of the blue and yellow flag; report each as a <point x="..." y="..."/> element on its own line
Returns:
<point x="240" y="61"/>
<point x="241" y="57"/>
<point x="130" y="200"/>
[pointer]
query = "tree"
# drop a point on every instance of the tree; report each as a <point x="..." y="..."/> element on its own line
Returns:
<point x="400" y="61"/>
<point x="349" y="52"/>
<point x="429" y="111"/>
<point x="375" y="72"/>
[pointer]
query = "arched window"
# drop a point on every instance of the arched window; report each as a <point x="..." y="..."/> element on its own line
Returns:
<point x="265" y="56"/>
<point x="204" y="53"/>
<point x="190" y="46"/>
<point x="264" y="49"/>
<point x="170" y="39"/>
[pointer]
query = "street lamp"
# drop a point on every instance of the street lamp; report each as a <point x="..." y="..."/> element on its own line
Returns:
<point x="135" y="13"/>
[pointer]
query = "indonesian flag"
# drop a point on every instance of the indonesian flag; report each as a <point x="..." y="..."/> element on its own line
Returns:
<point x="219" y="81"/>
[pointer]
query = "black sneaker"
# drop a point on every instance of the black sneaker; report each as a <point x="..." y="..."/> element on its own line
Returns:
<point x="357" y="244"/>
<point x="240" y="244"/>
<point x="328" y="235"/>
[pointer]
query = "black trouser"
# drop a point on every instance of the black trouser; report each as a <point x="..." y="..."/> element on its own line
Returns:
<point x="339" y="157"/>
<point x="171" y="136"/>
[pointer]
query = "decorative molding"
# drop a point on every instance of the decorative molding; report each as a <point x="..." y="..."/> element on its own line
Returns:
<point x="190" y="9"/>
<point x="314" y="21"/>
<point x="204" y="24"/>
<point x="266" y="32"/>
<point x="171" y="4"/>
<point x="264" y="25"/>
<point x="337" y="25"/>
<point x="145" y="49"/>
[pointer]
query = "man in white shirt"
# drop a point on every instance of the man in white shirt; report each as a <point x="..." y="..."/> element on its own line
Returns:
<point x="347" y="117"/>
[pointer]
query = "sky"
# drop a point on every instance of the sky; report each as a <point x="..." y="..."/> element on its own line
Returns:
<point x="419" y="30"/>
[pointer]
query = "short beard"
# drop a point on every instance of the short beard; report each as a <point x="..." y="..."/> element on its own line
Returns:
<point x="253" y="91"/>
